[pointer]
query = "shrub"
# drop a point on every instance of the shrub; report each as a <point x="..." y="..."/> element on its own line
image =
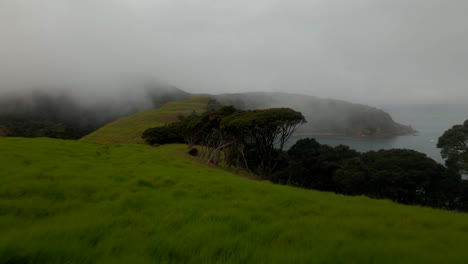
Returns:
<point x="193" y="152"/>
<point x="162" y="135"/>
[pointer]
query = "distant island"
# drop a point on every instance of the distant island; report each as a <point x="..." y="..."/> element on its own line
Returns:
<point x="324" y="116"/>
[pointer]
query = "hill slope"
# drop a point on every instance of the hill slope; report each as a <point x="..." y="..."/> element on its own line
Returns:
<point x="81" y="202"/>
<point x="129" y="129"/>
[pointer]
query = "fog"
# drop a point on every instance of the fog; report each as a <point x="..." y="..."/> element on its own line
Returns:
<point x="364" y="51"/>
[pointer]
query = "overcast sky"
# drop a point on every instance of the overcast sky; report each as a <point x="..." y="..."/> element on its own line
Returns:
<point x="367" y="51"/>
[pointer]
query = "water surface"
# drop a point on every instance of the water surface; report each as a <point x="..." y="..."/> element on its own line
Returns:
<point x="430" y="120"/>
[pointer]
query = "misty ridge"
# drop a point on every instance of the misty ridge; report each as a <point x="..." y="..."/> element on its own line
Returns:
<point x="324" y="116"/>
<point x="66" y="114"/>
<point x="331" y="49"/>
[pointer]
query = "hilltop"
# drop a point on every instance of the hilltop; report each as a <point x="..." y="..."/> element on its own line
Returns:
<point x="129" y="129"/>
<point x="83" y="202"/>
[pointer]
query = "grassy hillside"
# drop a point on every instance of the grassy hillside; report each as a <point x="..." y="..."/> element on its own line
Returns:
<point x="83" y="202"/>
<point x="129" y="129"/>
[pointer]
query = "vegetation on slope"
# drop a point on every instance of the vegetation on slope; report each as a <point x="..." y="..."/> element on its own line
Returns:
<point x="227" y="132"/>
<point x="130" y="128"/>
<point x="82" y="202"/>
<point x="254" y="140"/>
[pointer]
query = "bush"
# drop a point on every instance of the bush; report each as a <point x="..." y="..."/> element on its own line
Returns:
<point x="404" y="176"/>
<point x="193" y="152"/>
<point x="162" y="135"/>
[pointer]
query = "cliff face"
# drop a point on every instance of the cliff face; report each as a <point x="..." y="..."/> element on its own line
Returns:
<point x="324" y="116"/>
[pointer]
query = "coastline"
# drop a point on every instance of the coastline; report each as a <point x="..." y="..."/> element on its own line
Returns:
<point x="351" y="136"/>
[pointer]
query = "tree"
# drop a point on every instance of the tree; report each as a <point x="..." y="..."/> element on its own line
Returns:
<point x="463" y="201"/>
<point x="163" y="135"/>
<point x="404" y="176"/>
<point x="214" y="138"/>
<point x="190" y="128"/>
<point x="454" y="147"/>
<point x="312" y="165"/>
<point x="352" y="177"/>
<point x="264" y="129"/>
<point x="226" y="132"/>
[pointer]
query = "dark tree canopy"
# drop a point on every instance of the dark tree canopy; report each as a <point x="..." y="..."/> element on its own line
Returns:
<point x="190" y="128"/>
<point x="231" y="131"/>
<point x="163" y="135"/>
<point x="404" y="176"/>
<point x="264" y="129"/>
<point x="454" y="147"/>
<point x="312" y="165"/>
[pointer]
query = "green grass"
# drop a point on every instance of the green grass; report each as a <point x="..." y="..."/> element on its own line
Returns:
<point x="130" y="128"/>
<point x="83" y="202"/>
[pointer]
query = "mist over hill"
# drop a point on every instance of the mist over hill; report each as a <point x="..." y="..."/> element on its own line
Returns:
<point x="62" y="114"/>
<point x="324" y="116"/>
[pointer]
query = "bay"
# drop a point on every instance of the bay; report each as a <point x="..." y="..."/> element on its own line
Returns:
<point x="430" y="120"/>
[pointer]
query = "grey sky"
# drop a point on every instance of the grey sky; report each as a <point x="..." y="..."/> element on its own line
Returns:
<point x="368" y="51"/>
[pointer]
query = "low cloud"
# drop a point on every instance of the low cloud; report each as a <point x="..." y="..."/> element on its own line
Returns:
<point x="367" y="51"/>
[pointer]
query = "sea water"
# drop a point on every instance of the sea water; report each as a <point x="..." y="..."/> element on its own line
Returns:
<point x="429" y="120"/>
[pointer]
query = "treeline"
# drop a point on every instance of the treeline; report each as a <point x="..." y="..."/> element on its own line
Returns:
<point x="254" y="140"/>
<point x="250" y="139"/>
<point x="401" y="175"/>
<point x="42" y="114"/>
<point x="21" y="126"/>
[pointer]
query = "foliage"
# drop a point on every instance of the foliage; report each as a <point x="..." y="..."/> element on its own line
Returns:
<point x="12" y="125"/>
<point x="193" y="152"/>
<point x="163" y="135"/>
<point x="454" y="147"/>
<point x="80" y="202"/>
<point x="129" y="129"/>
<point x="404" y="176"/>
<point x="312" y="165"/>
<point x="189" y="127"/>
<point x="226" y="133"/>
<point x="264" y="129"/>
<point x="463" y="202"/>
